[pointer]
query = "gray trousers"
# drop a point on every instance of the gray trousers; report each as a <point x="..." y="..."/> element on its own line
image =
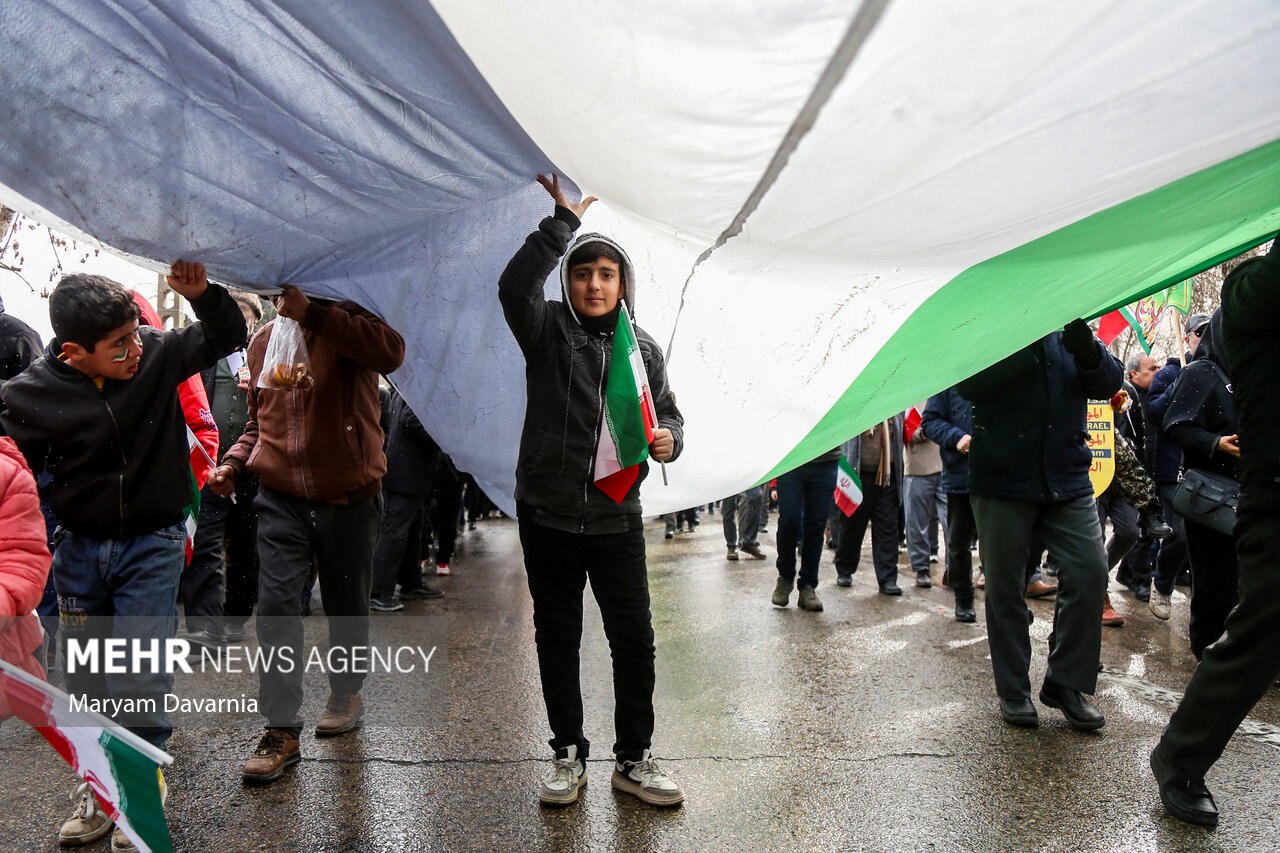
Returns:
<point x="291" y="534"/>
<point x="741" y="514"/>
<point x="1070" y="531"/>
<point x="926" y="508"/>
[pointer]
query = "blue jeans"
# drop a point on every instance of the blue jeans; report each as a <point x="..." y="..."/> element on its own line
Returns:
<point x="127" y="589"/>
<point x="804" y="496"/>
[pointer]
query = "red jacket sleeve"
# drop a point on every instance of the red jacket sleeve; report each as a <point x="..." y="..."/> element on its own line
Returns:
<point x="195" y="411"/>
<point x="24" y="563"/>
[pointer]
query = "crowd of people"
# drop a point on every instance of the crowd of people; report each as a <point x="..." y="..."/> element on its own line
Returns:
<point x="321" y="472"/>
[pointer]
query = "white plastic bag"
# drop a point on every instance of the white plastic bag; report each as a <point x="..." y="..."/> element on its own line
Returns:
<point x="286" y="365"/>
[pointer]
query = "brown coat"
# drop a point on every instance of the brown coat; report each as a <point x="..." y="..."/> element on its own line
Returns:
<point x="324" y="443"/>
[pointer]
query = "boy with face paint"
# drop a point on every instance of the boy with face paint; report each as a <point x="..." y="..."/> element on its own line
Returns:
<point x="570" y="530"/>
<point x="100" y="411"/>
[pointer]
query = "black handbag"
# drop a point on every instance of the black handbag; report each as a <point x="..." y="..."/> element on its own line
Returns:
<point x="1207" y="499"/>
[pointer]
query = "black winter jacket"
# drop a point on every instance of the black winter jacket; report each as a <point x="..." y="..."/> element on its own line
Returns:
<point x="118" y="455"/>
<point x="19" y="345"/>
<point x="565" y="372"/>
<point x="1249" y="299"/>
<point x="948" y="417"/>
<point x="1029" y="438"/>
<point x="1202" y="407"/>
<point x="412" y="455"/>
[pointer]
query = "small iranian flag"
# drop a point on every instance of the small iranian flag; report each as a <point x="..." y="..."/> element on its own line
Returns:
<point x="121" y="768"/>
<point x="629" y="415"/>
<point x="201" y="465"/>
<point x="848" y="487"/>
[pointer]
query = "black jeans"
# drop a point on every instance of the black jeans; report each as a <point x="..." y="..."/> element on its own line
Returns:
<point x="1214" y="584"/>
<point x="399" y="533"/>
<point x="1172" y="558"/>
<point x="804" y="496"/>
<point x="879" y="507"/>
<point x="960" y="532"/>
<point x="341" y="539"/>
<point x="1238" y="670"/>
<point x="558" y="564"/>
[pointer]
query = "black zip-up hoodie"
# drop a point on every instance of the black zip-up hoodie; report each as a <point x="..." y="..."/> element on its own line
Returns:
<point x="118" y="455"/>
<point x="566" y="367"/>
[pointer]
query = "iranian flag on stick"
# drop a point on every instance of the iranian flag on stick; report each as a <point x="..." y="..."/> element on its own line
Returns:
<point x="848" y="487"/>
<point x="629" y="415"/>
<point x="121" y="768"/>
<point x="201" y="465"/>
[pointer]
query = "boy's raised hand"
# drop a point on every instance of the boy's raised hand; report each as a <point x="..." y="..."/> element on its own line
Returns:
<point x="552" y="186"/>
<point x="187" y="279"/>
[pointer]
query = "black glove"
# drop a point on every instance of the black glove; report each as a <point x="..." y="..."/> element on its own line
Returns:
<point x="1077" y="337"/>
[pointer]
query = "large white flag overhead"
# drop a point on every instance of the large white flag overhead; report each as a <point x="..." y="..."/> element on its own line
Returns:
<point x="835" y="209"/>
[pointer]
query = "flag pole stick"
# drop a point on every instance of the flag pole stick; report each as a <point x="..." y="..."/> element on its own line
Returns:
<point x="1177" y="340"/>
<point x="648" y="398"/>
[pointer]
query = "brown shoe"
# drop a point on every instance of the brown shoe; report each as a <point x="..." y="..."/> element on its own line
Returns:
<point x="1041" y="589"/>
<point x="344" y="712"/>
<point x="1110" y="617"/>
<point x="981" y="582"/>
<point x="276" y="751"/>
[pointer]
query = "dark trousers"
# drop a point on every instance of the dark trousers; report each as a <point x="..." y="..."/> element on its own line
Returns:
<point x="1172" y="558"/>
<point x="558" y="564"/>
<point x="201" y="584"/>
<point x="242" y="553"/>
<point x="1238" y="670"/>
<point x="879" y="507"/>
<point x="443" y="522"/>
<point x="1124" y="525"/>
<point x="1214" y="584"/>
<point x="804" y="496"/>
<point x="960" y="532"/>
<point x="400" y="523"/>
<point x="341" y="539"/>
<point x="1071" y="532"/>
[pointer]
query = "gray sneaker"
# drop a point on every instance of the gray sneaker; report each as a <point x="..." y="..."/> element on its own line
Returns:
<point x="644" y="780"/>
<point x="568" y="776"/>
<point x="87" y="823"/>
<point x="1160" y="604"/>
<point x="809" y="600"/>
<point x="782" y="592"/>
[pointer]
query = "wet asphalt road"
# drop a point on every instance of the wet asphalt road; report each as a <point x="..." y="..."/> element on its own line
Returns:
<point x="872" y="726"/>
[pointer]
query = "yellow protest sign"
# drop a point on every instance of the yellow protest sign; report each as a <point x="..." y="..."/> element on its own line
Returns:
<point x="1100" y="420"/>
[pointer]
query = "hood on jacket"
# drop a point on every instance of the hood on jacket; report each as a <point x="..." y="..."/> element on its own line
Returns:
<point x="1211" y="344"/>
<point x="628" y="273"/>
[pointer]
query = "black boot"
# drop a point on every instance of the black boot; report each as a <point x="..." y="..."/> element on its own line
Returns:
<point x="1154" y="525"/>
<point x="964" y="609"/>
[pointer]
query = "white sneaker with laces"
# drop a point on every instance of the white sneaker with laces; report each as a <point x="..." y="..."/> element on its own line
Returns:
<point x="645" y="780"/>
<point x="87" y="823"/>
<point x="568" y="776"/>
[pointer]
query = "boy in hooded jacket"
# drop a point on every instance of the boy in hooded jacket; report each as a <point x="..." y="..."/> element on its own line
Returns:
<point x="569" y="529"/>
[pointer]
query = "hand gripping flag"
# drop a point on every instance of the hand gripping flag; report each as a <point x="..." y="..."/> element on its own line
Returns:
<point x="629" y="415"/>
<point x="201" y="466"/>
<point x="120" y="768"/>
<point x="848" y="487"/>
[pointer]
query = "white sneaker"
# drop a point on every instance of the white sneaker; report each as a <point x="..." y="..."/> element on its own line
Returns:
<point x="1160" y="604"/>
<point x="644" y="779"/>
<point x="87" y="823"/>
<point x="568" y="776"/>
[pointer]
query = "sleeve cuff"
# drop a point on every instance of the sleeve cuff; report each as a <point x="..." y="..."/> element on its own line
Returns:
<point x="314" y="318"/>
<point x="568" y="217"/>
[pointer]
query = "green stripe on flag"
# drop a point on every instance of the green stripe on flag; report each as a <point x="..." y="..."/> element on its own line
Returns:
<point x="1085" y="269"/>
<point x="623" y="414"/>
<point x="138" y="781"/>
